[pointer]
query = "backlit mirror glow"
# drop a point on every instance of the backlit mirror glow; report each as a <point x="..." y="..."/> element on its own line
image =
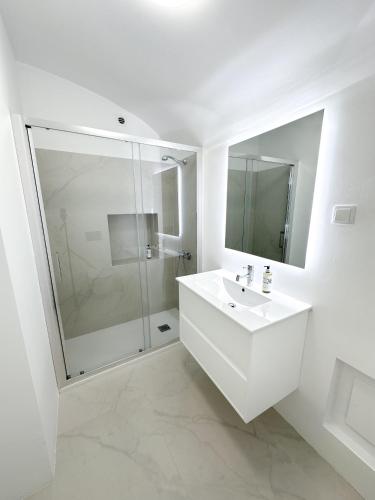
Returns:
<point x="175" y="3"/>
<point x="271" y="181"/>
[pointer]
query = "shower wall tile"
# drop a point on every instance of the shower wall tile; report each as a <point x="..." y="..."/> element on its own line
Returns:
<point x="189" y="213"/>
<point x="163" y="290"/>
<point x="79" y="192"/>
<point x="123" y="237"/>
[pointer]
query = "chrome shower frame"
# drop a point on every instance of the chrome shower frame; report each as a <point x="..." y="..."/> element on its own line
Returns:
<point x="22" y="135"/>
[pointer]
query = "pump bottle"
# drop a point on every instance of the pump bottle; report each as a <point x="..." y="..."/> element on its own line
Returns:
<point x="267" y="280"/>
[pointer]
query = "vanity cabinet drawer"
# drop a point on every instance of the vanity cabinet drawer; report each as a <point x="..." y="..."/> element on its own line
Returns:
<point x="226" y="335"/>
<point x="229" y="379"/>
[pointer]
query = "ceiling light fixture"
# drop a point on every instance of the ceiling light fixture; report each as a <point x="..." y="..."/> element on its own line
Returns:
<point x="174" y="4"/>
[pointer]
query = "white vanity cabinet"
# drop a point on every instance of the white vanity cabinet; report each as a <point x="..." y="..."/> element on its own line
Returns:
<point x="249" y="344"/>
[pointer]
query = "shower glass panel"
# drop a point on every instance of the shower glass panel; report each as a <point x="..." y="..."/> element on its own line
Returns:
<point x="87" y="189"/>
<point x="169" y="190"/>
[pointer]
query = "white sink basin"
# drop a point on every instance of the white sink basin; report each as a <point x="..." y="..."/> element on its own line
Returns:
<point x="249" y="343"/>
<point x="228" y="291"/>
<point x="252" y="308"/>
<point x="243" y="295"/>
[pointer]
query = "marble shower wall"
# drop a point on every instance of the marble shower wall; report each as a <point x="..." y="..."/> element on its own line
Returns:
<point x="80" y="191"/>
<point x="189" y="214"/>
<point x="162" y="271"/>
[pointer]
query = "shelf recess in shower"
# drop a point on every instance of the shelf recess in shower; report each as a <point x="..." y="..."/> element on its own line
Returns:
<point x="123" y="235"/>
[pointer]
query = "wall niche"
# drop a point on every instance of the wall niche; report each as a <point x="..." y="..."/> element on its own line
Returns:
<point x="350" y="414"/>
<point x="123" y="235"/>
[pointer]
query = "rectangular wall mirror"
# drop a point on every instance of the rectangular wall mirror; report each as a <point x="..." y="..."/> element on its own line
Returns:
<point x="271" y="179"/>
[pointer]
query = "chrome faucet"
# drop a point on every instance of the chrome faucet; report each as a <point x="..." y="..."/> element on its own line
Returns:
<point x="249" y="275"/>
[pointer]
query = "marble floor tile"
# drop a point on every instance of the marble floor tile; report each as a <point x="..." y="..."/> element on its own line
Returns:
<point x="158" y="429"/>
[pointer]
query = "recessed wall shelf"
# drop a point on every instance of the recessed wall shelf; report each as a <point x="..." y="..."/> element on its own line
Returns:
<point x="123" y="235"/>
<point x="350" y="414"/>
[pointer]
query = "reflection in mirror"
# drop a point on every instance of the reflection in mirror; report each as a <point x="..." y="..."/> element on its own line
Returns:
<point x="271" y="181"/>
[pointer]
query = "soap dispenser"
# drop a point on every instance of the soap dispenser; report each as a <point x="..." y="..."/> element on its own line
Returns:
<point x="148" y="252"/>
<point x="267" y="280"/>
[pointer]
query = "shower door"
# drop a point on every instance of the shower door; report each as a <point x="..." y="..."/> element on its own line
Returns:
<point x="88" y="193"/>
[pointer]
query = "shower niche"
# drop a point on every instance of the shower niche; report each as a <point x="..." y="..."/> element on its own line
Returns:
<point x="123" y="232"/>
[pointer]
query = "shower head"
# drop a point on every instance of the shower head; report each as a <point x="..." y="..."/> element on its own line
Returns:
<point x="179" y="162"/>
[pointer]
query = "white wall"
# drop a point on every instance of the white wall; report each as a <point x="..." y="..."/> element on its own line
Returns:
<point x="47" y="96"/>
<point x="28" y="391"/>
<point x="340" y="266"/>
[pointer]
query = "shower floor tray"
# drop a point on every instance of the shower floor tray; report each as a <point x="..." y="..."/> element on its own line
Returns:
<point x="93" y="350"/>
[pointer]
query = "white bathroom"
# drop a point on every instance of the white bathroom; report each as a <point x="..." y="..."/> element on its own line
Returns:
<point x="187" y="224"/>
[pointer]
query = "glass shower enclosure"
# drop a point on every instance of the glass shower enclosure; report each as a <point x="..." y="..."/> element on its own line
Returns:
<point x="120" y="223"/>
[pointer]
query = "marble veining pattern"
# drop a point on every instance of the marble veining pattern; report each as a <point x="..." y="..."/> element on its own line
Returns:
<point x="81" y="194"/>
<point x="157" y="428"/>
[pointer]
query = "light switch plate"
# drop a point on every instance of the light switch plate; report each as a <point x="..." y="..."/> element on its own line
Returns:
<point x="344" y="214"/>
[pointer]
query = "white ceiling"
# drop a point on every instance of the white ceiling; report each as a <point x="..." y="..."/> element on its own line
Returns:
<point x="193" y="71"/>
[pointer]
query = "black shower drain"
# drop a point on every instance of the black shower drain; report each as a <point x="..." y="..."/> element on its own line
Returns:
<point x="164" y="328"/>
